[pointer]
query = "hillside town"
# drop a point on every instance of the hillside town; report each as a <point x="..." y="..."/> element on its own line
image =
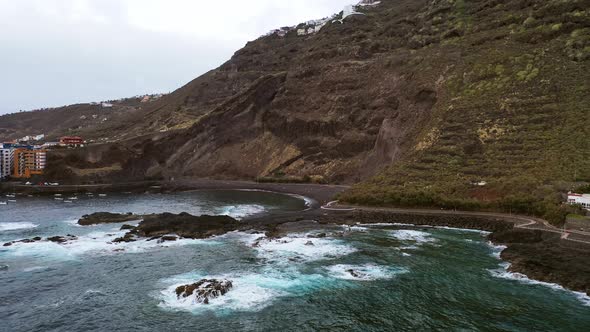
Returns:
<point x="314" y="26"/>
<point x="27" y="157"/>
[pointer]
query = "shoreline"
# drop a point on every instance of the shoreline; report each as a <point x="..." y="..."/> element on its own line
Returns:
<point x="320" y="193"/>
<point x="534" y="248"/>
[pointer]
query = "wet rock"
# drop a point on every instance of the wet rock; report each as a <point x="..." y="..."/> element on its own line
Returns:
<point x="55" y="239"/>
<point x="309" y="243"/>
<point x="62" y="239"/>
<point x="126" y="238"/>
<point x="186" y="225"/>
<point x="127" y="227"/>
<point x="356" y="274"/>
<point x="204" y="290"/>
<point x="107" y="218"/>
<point x="3" y="267"/>
<point x="167" y="238"/>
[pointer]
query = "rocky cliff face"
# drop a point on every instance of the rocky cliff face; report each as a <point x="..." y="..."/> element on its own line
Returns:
<point x="421" y="93"/>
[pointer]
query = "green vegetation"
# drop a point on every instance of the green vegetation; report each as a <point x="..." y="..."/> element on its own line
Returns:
<point x="514" y="112"/>
<point x="585" y="189"/>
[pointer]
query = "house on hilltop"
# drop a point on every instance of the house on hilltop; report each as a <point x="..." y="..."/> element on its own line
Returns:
<point x="580" y="199"/>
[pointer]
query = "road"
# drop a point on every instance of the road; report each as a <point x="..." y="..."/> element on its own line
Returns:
<point x="519" y="221"/>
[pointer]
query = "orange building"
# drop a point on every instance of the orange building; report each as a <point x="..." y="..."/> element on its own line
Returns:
<point x="29" y="162"/>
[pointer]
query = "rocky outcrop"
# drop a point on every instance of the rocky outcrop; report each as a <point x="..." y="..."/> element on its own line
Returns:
<point x="545" y="257"/>
<point x="62" y="239"/>
<point x="54" y="239"/>
<point x="186" y="225"/>
<point x="204" y="290"/>
<point x="107" y="218"/>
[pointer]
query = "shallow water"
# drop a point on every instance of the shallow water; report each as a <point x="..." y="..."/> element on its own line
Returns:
<point x="406" y="278"/>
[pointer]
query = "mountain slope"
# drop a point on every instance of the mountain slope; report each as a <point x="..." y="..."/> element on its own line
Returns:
<point x="418" y="99"/>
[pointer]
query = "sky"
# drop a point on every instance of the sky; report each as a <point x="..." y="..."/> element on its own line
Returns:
<point x="61" y="52"/>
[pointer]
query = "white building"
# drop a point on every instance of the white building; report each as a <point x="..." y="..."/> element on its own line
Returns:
<point x="581" y="199"/>
<point x="6" y="161"/>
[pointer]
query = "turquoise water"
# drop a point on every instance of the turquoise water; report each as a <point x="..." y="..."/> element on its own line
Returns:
<point x="407" y="278"/>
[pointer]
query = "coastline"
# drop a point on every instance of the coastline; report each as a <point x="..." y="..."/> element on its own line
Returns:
<point x="533" y="247"/>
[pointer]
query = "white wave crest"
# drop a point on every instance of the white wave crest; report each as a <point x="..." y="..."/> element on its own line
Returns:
<point x="242" y="210"/>
<point x="366" y="272"/>
<point x="13" y="226"/>
<point x="496" y="249"/>
<point x="412" y="235"/>
<point x="301" y="249"/>
<point x="250" y="292"/>
<point x="95" y="243"/>
<point x="503" y="273"/>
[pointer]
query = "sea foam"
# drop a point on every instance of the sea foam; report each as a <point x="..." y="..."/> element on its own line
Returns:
<point x="503" y="273"/>
<point x="242" y="210"/>
<point x="412" y="235"/>
<point x="366" y="272"/>
<point x="13" y="226"/>
<point x="250" y="292"/>
<point x="299" y="248"/>
<point x="95" y="243"/>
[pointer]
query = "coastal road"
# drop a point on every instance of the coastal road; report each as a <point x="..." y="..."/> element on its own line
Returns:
<point x="519" y="221"/>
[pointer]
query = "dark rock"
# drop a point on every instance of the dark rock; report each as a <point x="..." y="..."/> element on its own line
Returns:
<point x="204" y="289"/>
<point x="186" y="225"/>
<point x="356" y="274"/>
<point x="127" y="227"/>
<point x="126" y="238"/>
<point x="167" y="238"/>
<point x="106" y="218"/>
<point x="56" y="239"/>
<point x="309" y="243"/>
<point x="62" y="239"/>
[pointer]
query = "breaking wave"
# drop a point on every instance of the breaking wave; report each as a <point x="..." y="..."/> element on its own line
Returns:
<point x="503" y="273"/>
<point x="242" y="210"/>
<point x="13" y="226"/>
<point x="95" y="243"/>
<point x="412" y="235"/>
<point x="250" y="292"/>
<point x="366" y="272"/>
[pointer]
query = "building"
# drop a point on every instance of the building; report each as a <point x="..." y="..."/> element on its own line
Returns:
<point x="73" y="141"/>
<point x="581" y="199"/>
<point x="29" y="162"/>
<point x="49" y="145"/>
<point x="6" y="161"/>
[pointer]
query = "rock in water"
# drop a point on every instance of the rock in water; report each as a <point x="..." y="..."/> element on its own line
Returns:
<point x="167" y="238"/>
<point x="106" y="218"/>
<point x="127" y="227"/>
<point x="55" y="239"/>
<point x="356" y="274"/>
<point x="62" y="239"/>
<point x="204" y="290"/>
<point x="186" y="225"/>
<point x="126" y="238"/>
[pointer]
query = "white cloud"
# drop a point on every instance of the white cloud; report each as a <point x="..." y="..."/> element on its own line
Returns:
<point x="56" y="52"/>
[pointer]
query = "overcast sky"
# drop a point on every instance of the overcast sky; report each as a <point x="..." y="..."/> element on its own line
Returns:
<point x="58" y="52"/>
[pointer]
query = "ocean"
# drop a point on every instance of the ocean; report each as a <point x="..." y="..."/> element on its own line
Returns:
<point x="405" y="278"/>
